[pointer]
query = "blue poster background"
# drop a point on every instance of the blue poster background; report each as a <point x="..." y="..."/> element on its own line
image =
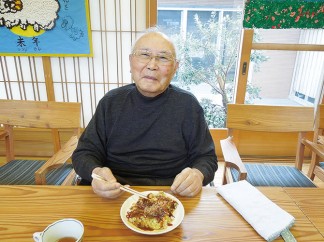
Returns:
<point x="70" y="36"/>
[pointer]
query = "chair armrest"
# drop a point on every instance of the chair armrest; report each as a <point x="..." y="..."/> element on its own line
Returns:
<point x="317" y="148"/>
<point x="7" y="136"/>
<point x="232" y="158"/>
<point x="3" y="134"/>
<point x="321" y="139"/>
<point x="71" y="179"/>
<point x="57" y="160"/>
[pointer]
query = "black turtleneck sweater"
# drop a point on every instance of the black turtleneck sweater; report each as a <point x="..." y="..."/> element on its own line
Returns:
<point x="146" y="141"/>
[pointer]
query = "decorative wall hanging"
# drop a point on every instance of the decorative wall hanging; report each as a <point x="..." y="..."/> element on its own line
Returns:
<point x="284" y="14"/>
<point x="45" y="28"/>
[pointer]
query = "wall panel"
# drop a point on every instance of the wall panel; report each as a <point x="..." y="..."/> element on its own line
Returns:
<point x="115" y="24"/>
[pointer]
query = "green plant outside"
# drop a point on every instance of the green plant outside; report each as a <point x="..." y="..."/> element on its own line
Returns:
<point x="210" y="56"/>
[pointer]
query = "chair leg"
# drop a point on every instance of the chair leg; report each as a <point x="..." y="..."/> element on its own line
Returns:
<point x="313" y="163"/>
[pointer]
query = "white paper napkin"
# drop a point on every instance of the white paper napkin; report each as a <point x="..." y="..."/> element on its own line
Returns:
<point x="266" y="217"/>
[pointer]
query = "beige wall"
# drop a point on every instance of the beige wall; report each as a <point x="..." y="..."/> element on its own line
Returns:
<point x="275" y="76"/>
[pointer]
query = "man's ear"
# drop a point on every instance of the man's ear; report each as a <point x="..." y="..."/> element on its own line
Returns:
<point x="176" y="67"/>
<point x="130" y="63"/>
<point x="177" y="64"/>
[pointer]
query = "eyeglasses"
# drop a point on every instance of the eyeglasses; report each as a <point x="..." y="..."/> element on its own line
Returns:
<point x="145" y="57"/>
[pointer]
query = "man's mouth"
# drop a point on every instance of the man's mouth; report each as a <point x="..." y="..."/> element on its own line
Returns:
<point x="150" y="77"/>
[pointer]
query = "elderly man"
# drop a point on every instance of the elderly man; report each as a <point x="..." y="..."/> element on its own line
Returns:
<point x="149" y="132"/>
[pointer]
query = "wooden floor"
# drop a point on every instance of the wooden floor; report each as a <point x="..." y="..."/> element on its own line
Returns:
<point x="219" y="174"/>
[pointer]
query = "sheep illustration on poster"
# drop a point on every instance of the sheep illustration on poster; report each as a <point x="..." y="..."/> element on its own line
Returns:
<point x="38" y="14"/>
<point x="45" y="27"/>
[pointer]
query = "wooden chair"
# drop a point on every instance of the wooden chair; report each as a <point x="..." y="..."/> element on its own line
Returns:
<point x="262" y="118"/>
<point x="316" y="167"/>
<point x="55" y="116"/>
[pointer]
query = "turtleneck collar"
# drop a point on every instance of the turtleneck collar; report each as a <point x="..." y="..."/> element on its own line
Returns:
<point x="151" y="100"/>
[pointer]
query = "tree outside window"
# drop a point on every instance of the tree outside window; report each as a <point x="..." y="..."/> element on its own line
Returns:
<point x="208" y="44"/>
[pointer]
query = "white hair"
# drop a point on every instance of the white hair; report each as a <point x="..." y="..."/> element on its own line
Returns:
<point x="156" y="30"/>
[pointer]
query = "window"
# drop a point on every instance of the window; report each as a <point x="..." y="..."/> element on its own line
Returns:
<point x="208" y="40"/>
<point x="170" y="20"/>
<point x="290" y="77"/>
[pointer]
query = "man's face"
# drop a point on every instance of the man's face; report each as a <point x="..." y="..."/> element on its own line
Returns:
<point x="153" y="75"/>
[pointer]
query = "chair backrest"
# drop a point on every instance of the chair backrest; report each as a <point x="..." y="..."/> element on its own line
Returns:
<point x="319" y="124"/>
<point x="266" y="118"/>
<point x="320" y="116"/>
<point x="270" y="118"/>
<point x="38" y="114"/>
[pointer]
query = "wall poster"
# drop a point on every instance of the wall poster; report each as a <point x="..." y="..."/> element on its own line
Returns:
<point x="45" y="28"/>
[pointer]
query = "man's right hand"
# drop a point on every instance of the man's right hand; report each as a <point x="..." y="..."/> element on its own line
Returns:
<point x="109" y="188"/>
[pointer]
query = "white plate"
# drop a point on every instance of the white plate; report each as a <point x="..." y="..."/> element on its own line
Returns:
<point x="178" y="214"/>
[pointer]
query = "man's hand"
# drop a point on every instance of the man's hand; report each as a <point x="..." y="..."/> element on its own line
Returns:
<point x="188" y="183"/>
<point x="109" y="188"/>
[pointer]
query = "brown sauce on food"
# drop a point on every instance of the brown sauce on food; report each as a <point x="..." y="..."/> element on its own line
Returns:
<point x="153" y="213"/>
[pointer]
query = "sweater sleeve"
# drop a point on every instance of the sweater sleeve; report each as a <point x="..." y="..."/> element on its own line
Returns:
<point x="201" y="148"/>
<point x="90" y="152"/>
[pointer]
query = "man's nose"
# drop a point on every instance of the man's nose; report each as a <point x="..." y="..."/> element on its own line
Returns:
<point x="153" y="63"/>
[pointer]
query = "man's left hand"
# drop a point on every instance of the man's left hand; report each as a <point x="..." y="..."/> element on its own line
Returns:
<point x="188" y="183"/>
